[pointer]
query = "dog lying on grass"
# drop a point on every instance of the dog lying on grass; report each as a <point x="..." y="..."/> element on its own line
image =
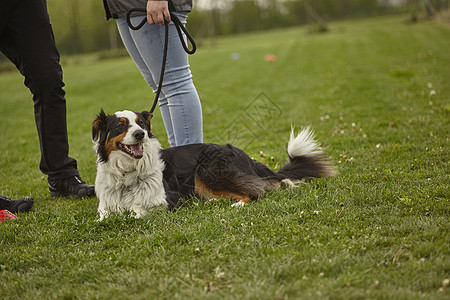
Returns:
<point x="135" y="174"/>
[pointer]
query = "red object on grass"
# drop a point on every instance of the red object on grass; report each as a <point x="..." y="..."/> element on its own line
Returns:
<point x="5" y="214"/>
<point x="270" y="57"/>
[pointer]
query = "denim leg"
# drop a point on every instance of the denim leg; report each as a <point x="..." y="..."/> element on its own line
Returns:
<point x="127" y="38"/>
<point x="179" y="102"/>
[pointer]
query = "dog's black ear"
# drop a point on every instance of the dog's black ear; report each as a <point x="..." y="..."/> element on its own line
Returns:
<point x="98" y="125"/>
<point x="147" y="117"/>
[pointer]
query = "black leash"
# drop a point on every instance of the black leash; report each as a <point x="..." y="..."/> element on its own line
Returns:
<point x="179" y="26"/>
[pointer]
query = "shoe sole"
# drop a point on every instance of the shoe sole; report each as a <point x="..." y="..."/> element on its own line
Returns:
<point x="82" y="193"/>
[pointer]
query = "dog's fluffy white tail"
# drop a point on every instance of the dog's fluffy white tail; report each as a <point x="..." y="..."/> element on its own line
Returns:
<point x="303" y="144"/>
<point x="306" y="159"/>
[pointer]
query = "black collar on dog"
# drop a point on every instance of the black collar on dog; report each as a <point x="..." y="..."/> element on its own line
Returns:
<point x="179" y="26"/>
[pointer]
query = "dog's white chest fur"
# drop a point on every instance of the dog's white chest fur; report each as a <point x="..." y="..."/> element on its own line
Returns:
<point x="136" y="185"/>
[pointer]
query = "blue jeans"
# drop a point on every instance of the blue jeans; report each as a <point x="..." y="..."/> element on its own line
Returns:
<point x="178" y="102"/>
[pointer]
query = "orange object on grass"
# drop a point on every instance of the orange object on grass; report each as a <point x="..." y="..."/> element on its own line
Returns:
<point x="270" y="57"/>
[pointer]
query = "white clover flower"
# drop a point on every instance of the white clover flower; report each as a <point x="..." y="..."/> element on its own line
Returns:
<point x="446" y="282"/>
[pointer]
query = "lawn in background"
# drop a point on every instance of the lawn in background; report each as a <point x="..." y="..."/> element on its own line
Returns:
<point x="376" y="92"/>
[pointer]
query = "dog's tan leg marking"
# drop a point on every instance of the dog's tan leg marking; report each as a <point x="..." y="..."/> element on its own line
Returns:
<point x="205" y="193"/>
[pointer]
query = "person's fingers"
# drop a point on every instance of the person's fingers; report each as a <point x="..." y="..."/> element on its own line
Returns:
<point x="150" y="19"/>
<point x="156" y="11"/>
<point x="160" y="18"/>
<point x="167" y="14"/>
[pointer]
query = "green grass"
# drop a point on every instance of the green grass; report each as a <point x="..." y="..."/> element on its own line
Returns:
<point x="380" y="229"/>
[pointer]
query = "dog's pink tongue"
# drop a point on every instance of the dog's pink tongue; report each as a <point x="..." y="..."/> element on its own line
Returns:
<point x="137" y="149"/>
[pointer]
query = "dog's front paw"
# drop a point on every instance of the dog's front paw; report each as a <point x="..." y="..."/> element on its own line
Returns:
<point x="103" y="215"/>
<point x="139" y="213"/>
<point x="238" y="204"/>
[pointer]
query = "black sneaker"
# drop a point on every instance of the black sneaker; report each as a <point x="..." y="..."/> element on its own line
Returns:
<point x="70" y="187"/>
<point x="14" y="206"/>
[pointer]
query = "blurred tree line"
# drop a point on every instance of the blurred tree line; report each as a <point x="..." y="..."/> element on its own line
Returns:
<point x="80" y="26"/>
<point x="228" y="17"/>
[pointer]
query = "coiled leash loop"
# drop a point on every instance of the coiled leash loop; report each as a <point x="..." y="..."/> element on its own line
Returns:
<point x="179" y="26"/>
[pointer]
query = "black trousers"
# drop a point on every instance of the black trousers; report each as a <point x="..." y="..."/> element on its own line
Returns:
<point x="26" y="38"/>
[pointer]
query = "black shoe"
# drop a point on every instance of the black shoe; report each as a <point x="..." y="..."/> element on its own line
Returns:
<point x="70" y="187"/>
<point x="14" y="206"/>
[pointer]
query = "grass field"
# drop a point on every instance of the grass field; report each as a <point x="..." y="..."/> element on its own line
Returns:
<point x="377" y="94"/>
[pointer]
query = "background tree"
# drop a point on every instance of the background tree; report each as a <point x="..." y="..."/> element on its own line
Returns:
<point x="80" y="25"/>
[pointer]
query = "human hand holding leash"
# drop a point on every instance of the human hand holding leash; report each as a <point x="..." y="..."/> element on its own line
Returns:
<point x="179" y="27"/>
<point x="156" y="11"/>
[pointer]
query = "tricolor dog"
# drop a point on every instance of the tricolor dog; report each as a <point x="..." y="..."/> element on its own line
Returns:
<point x="135" y="174"/>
